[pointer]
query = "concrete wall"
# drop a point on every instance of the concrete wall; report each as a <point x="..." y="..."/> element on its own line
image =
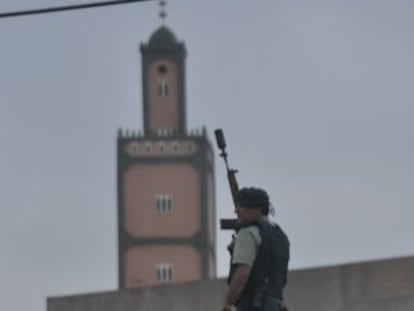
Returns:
<point x="386" y="285"/>
<point x="372" y="286"/>
<point x="194" y="296"/>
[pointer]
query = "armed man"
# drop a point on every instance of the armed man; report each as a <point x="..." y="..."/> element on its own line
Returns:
<point x="259" y="256"/>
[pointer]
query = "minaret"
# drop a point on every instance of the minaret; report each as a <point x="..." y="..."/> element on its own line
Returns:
<point x="166" y="191"/>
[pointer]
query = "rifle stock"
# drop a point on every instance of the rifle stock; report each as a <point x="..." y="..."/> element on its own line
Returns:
<point x="228" y="224"/>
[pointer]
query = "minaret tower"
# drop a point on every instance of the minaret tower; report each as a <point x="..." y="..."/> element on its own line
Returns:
<point x="166" y="192"/>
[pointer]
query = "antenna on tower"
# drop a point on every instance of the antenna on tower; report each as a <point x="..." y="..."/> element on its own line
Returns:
<point x="163" y="12"/>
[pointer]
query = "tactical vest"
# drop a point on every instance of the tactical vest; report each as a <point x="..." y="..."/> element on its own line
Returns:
<point x="269" y="271"/>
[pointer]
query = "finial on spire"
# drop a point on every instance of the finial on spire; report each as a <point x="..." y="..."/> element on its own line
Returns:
<point x="163" y="12"/>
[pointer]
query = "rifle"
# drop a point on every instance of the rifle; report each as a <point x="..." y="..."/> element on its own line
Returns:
<point x="226" y="224"/>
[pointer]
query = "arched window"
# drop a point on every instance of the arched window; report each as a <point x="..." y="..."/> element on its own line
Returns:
<point x="163" y="88"/>
<point x="163" y="203"/>
<point x="163" y="272"/>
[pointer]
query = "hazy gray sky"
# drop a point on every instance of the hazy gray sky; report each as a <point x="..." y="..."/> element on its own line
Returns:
<point x="315" y="98"/>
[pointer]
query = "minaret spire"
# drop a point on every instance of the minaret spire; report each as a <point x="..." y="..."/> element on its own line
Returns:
<point x="163" y="12"/>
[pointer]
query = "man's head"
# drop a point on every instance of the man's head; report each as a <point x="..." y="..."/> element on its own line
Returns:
<point x="251" y="203"/>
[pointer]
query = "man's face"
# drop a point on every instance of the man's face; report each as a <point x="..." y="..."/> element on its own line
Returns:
<point x="247" y="214"/>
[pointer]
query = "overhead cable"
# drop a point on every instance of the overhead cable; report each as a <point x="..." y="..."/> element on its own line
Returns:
<point x="66" y="8"/>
